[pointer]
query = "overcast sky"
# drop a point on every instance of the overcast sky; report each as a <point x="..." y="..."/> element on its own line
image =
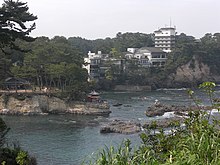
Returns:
<point x="94" y="19"/>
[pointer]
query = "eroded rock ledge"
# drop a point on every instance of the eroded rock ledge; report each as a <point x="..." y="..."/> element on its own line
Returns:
<point x="160" y="109"/>
<point x="120" y="126"/>
<point x="43" y="104"/>
<point x="179" y="114"/>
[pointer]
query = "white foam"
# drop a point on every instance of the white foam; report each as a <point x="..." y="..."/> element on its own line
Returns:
<point x="72" y="121"/>
<point x="172" y="89"/>
<point x="168" y="114"/>
<point x="214" y="111"/>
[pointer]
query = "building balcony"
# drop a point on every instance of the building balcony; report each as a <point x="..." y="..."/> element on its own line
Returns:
<point x="164" y="39"/>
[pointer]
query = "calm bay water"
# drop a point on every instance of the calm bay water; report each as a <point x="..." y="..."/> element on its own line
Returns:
<point x="70" y="139"/>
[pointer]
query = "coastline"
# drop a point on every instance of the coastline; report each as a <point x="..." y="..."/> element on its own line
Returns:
<point x="42" y="104"/>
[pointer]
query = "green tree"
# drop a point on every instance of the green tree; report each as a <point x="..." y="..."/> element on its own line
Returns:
<point x="13" y="18"/>
<point x="3" y="131"/>
<point x="115" y="54"/>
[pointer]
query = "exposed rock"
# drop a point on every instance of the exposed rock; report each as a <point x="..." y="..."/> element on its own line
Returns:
<point x="118" y="126"/>
<point x="159" y="109"/>
<point x="163" y="123"/>
<point x="191" y="74"/>
<point x="180" y="113"/>
<point x="200" y="71"/>
<point x="43" y="104"/>
<point x="88" y="108"/>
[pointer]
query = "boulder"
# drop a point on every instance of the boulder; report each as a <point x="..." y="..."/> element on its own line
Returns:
<point x="119" y="126"/>
<point x="159" y="109"/>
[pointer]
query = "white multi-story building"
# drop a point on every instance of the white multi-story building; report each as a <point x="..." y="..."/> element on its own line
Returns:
<point x="92" y="64"/>
<point x="165" y="38"/>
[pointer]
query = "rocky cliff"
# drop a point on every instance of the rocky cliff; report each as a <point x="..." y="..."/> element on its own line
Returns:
<point x="43" y="104"/>
<point x="191" y="74"/>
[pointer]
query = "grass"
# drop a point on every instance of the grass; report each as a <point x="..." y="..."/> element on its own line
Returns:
<point x="198" y="143"/>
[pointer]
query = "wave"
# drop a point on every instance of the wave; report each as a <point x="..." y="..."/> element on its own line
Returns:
<point x="168" y="115"/>
<point x="214" y="111"/>
<point x="172" y="89"/>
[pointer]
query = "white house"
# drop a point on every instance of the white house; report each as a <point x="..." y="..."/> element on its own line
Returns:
<point x="148" y="56"/>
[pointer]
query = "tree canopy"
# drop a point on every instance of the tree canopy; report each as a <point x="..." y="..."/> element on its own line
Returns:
<point x="16" y="23"/>
<point x="121" y="42"/>
<point x="13" y="18"/>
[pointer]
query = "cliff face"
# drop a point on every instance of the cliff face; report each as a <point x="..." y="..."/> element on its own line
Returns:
<point x="192" y="73"/>
<point x="42" y="104"/>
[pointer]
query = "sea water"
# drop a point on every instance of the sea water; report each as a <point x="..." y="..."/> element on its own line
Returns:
<point x="71" y="139"/>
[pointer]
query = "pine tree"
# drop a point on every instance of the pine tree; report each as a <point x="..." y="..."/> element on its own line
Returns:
<point x="13" y="18"/>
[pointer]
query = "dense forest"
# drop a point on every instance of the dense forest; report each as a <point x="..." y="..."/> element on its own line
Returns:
<point x="121" y="42"/>
<point x="57" y="62"/>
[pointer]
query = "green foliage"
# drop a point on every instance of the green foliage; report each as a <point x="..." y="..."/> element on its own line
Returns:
<point x="120" y="155"/>
<point x="121" y="42"/>
<point x="15" y="156"/>
<point x="53" y="64"/>
<point x="12" y="155"/>
<point x="3" y="131"/>
<point x="15" y="24"/>
<point x="198" y="142"/>
<point x="188" y="50"/>
<point x="22" y="158"/>
<point x="115" y="54"/>
<point x="13" y="16"/>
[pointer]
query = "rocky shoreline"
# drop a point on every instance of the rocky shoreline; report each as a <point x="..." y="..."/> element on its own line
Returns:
<point x="160" y="109"/>
<point x="179" y="113"/>
<point x="43" y="105"/>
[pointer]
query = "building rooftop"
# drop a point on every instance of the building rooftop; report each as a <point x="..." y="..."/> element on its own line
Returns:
<point x="165" y="28"/>
<point x="151" y="49"/>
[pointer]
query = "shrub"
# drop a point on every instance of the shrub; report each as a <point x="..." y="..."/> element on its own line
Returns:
<point x="12" y="155"/>
<point x="197" y="143"/>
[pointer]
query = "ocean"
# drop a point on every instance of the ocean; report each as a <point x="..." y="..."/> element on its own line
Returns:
<point x="71" y="139"/>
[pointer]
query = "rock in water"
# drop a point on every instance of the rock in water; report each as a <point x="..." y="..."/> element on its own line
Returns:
<point x="160" y="109"/>
<point x="119" y="126"/>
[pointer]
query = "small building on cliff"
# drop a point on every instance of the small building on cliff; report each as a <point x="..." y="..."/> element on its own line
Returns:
<point x="13" y="83"/>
